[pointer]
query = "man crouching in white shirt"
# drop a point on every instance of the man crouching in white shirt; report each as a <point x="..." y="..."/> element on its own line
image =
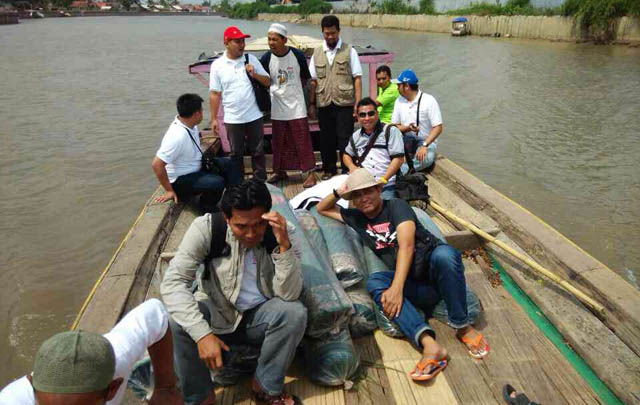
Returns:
<point x="178" y="161"/>
<point x="87" y="368"/>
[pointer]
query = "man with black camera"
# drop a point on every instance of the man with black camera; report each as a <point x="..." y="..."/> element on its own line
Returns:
<point x="178" y="161"/>
<point x="422" y="270"/>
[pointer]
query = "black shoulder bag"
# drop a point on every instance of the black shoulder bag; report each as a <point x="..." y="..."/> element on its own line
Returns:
<point x="357" y="160"/>
<point x="263" y="98"/>
<point x="209" y="162"/>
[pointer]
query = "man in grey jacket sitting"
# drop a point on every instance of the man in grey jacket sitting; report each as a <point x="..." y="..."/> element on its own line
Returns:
<point x="247" y="295"/>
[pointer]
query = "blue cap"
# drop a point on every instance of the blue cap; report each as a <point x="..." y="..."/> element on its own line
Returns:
<point x="406" y="76"/>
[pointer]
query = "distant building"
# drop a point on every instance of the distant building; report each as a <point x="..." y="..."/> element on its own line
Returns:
<point x="81" y="4"/>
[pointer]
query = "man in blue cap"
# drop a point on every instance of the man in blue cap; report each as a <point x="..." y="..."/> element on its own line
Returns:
<point x="417" y="115"/>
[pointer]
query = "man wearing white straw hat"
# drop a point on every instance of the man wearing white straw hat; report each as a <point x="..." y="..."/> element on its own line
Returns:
<point x="291" y="142"/>
<point x="423" y="271"/>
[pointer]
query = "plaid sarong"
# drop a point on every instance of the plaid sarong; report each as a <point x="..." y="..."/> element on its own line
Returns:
<point x="291" y="145"/>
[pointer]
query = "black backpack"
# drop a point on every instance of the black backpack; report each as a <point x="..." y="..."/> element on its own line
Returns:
<point x="263" y="98"/>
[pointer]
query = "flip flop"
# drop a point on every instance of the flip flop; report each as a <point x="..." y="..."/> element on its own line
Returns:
<point x="437" y="366"/>
<point x="519" y="399"/>
<point x="473" y="345"/>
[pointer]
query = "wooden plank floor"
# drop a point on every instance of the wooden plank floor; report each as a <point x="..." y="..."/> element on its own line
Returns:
<point x="520" y="355"/>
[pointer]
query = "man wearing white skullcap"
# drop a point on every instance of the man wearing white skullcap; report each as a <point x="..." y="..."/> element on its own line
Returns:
<point x="291" y="141"/>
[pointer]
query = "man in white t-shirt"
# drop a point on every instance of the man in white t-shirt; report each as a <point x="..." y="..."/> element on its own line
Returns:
<point x="383" y="157"/>
<point x="87" y="368"/>
<point x="229" y="83"/>
<point x="417" y="115"/>
<point x="178" y="161"/>
<point x="335" y="87"/>
<point x="291" y="142"/>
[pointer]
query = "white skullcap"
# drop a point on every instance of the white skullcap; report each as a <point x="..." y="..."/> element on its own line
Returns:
<point x="278" y="29"/>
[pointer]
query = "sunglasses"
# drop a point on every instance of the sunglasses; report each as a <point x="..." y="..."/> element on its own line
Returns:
<point x="367" y="114"/>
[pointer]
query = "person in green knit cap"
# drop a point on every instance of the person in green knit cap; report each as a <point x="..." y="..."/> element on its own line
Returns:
<point x="387" y="94"/>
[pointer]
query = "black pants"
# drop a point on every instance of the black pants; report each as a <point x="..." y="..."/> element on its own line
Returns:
<point x="336" y="127"/>
<point x="248" y="136"/>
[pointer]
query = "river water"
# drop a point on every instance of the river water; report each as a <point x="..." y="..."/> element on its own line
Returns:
<point x="84" y="103"/>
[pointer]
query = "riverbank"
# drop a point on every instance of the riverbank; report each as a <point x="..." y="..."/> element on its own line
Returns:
<point x="553" y="28"/>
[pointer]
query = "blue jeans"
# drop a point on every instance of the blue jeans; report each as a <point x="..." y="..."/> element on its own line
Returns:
<point x="411" y="144"/>
<point x="209" y="185"/>
<point x="275" y="328"/>
<point x="445" y="283"/>
<point x="388" y="192"/>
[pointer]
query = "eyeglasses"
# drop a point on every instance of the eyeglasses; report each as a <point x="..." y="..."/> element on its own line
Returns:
<point x="367" y="114"/>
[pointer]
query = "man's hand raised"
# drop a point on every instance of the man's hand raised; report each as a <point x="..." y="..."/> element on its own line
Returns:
<point x="210" y="350"/>
<point x="279" y="226"/>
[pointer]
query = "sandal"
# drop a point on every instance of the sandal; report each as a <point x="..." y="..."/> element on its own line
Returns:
<point x="277" y="177"/>
<point x="417" y="374"/>
<point x="518" y="399"/>
<point x="477" y="347"/>
<point x="309" y="182"/>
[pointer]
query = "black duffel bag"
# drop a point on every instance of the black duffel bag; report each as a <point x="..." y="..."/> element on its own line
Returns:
<point x="412" y="186"/>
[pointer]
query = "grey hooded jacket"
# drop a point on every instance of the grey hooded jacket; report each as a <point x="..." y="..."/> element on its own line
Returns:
<point x="279" y="275"/>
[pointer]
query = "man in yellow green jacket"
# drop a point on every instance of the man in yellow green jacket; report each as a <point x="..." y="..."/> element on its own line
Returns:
<point x="387" y="94"/>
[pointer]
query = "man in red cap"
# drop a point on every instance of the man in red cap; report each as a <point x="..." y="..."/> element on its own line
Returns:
<point x="230" y="81"/>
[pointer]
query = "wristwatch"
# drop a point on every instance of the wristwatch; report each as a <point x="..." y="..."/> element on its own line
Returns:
<point x="335" y="194"/>
<point x="425" y="144"/>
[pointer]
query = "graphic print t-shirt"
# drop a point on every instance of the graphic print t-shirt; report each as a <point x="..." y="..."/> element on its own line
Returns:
<point x="287" y="94"/>
<point x="379" y="233"/>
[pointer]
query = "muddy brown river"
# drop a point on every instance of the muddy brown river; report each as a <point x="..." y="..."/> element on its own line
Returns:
<point x="84" y="103"/>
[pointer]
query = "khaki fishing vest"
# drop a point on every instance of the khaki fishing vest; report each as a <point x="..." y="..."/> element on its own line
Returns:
<point x="335" y="81"/>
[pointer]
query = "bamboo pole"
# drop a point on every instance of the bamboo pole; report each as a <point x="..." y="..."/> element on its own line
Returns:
<point x="535" y="266"/>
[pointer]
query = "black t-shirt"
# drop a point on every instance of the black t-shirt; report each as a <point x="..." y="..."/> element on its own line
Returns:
<point x="379" y="233"/>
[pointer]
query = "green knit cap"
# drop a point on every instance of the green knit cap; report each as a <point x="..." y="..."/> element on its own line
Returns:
<point x="74" y="362"/>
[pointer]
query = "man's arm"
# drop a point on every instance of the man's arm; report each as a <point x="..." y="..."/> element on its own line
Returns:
<point x="177" y="296"/>
<point x="357" y="85"/>
<point x="348" y="161"/>
<point x="287" y="279"/>
<point x="160" y="171"/>
<point x="421" y="153"/>
<point x="257" y="71"/>
<point x="392" y="298"/>
<point x="214" y="105"/>
<point x="327" y="206"/>
<point x="313" y="83"/>
<point x="394" y="166"/>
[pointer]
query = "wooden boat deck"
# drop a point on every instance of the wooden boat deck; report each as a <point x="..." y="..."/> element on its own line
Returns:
<point x="520" y="353"/>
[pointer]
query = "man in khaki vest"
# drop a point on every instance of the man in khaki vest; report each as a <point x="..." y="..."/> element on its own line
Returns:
<point x="335" y="87"/>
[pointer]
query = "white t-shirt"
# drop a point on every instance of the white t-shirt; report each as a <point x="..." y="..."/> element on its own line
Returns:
<point x="249" y="295"/>
<point x="229" y="76"/>
<point x="354" y="60"/>
<point x="179" y="152"/>
<point x="287" y="97"/>
<point x="404" y="112"/>
<point x="142" y="327"/>
<point x="379" y="157"/>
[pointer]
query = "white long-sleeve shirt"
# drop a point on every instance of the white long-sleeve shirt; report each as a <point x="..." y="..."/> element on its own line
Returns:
<point x="142" y="327"/>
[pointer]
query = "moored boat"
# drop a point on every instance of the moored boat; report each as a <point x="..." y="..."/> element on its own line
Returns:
<point x="526" y="352"/>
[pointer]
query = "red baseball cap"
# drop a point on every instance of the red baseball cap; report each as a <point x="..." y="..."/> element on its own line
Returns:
<point x="233" y="32"/>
